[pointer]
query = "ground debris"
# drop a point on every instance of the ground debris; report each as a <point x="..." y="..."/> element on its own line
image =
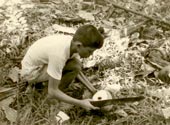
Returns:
<point x="127" y="54"/>
<point x="14" y="74"/>
<point x="10" y="113"/>
<point x="166" y="112"/>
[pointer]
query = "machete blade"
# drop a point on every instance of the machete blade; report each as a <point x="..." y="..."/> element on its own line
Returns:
<point x="102" y="103"/>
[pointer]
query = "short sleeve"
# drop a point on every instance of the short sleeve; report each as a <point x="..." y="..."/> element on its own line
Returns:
<point x="55" y="67"/>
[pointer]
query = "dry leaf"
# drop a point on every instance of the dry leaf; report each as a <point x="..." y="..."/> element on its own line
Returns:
<point x="150" y="2"/>
<point x="62" y="117"/>
<point x="2" y="89"/>
<point x="163" y="93"/>
<point x="86" y="15"/>
<point x="89" y="63"/>
<point x="114" y="35"/>
<point x="6" y="102"/>
<point x="63" y="29"/>
<point x="167" y="92"/>
<point x="164" y="74"/>
<point x="66" y="1"/>
<point x="10" y="2"/>
<point x="87" y="94"/>
<point x="121" y="112"/>
<point x="6" y="92"/>
<point x="130" y="110"/>
<point x="113" y="87"/>
<point x="14" y="74"/>
<point x="26" y="6"/>
<point x="10" y="113"/>
<point x="108" y="23"/>
<point x="26" y="114"/>
<point x="65" y="106"/>
<point x="166" y="113"/>
<point x="3" y="123"/>
<point x="122" y="44"/>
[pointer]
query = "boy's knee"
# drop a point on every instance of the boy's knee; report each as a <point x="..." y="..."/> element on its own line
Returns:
<point x="73" y="65"/>
<point x="77" y="69"/>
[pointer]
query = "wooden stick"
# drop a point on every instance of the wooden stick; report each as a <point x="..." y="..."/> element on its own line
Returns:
<point x="18" y="103"/>
<point x="154" y="64"/>
<point x="133" y="28"/>
<point x="141" y="14"/>
<point x="86" y="82"/>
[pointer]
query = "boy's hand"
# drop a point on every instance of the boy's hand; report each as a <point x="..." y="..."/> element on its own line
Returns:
<point x="87" y="105"/>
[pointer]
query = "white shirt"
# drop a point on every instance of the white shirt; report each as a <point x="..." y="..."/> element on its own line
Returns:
<point x="52" y="51"/>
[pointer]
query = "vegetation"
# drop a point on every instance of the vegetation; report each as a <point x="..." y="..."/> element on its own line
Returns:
<point x="135" y="49"/>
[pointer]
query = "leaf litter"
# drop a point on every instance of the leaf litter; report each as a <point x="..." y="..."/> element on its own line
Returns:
<point x="115" y="65"/>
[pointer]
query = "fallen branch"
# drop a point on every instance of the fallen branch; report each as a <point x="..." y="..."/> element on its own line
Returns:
<point x="154" y="64"/>
<point x="130" y="30"/>
<point x="141" y="14"/>
<point x="7" y="92"/>
<point x="71" y="20"/>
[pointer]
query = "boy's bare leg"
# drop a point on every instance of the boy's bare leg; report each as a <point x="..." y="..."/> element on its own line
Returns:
<point x="70" y="72"/>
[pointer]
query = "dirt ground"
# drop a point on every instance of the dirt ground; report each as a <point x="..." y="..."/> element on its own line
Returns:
<point x="135" y="50"/>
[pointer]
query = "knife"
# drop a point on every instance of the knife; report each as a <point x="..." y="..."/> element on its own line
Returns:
<point x="101" y="103"/>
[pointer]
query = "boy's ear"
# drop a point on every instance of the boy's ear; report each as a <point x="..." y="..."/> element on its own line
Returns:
<point x="102" y="32"/>
<point x="78" y="44"/>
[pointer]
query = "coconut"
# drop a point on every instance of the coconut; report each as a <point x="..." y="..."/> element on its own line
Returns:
<point x="103" y="95"/>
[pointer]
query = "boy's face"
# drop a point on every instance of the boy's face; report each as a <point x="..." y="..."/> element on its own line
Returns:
<point x="85" y="52"/>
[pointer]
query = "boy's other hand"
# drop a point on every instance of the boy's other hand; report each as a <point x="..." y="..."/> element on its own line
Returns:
<point x="87" y="105"/>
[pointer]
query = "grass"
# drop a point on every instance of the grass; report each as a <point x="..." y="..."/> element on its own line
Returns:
<point x="36" y="109"/>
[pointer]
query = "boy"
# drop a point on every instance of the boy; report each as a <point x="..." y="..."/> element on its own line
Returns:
<point x="53" y="58"/>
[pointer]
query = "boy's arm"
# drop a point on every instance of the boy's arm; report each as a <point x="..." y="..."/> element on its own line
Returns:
<point x="54" y="91"/>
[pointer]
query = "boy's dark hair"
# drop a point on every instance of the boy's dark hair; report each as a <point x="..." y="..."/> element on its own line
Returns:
<point x="89" y="36"/>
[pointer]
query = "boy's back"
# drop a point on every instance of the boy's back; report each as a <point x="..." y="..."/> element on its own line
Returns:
<point x="52" y="50"/>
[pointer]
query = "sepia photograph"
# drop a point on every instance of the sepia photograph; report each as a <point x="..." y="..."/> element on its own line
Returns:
<point x="84" y="62"/>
